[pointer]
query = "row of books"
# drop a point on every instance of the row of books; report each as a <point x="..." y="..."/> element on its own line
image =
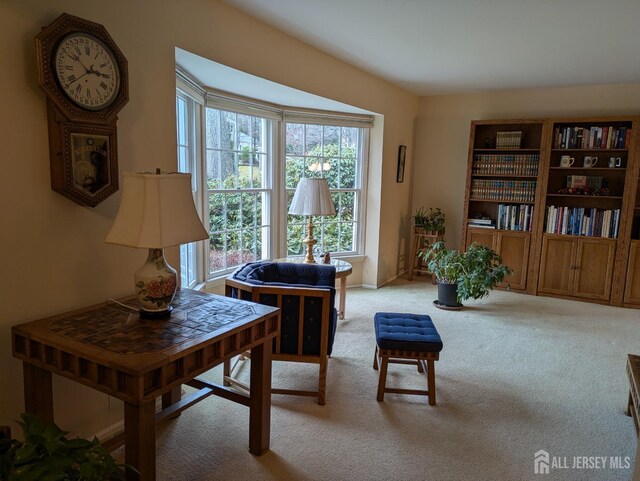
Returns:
<point x="507" y="190"/>
<point x="592" y="138"/>
<point x="515" y="217"/>
<point x="508" y="140"/>
<point x="594" y="183"/>
<point x="581" y="221"/>
<point x="521" y="164"/>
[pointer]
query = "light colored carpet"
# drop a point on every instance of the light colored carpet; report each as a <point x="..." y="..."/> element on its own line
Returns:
<point x="517" y="374"/>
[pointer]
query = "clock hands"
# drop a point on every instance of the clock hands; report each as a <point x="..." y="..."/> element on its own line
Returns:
<point x="77" y="59"/>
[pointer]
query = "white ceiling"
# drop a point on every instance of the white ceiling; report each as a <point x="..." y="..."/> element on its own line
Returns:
<point x="447" y="46"/>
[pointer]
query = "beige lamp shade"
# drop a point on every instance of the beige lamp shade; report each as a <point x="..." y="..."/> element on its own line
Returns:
<point x="156" y="211"/>
<point x="312" y="197"/>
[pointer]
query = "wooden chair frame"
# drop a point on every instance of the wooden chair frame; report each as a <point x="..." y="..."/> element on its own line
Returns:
<point x="323" y="294"/>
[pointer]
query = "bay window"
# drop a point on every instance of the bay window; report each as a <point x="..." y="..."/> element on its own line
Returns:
<point x="247" y="165"/>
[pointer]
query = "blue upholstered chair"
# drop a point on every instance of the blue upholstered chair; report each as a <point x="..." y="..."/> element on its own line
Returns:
<point x="305" y="294"/>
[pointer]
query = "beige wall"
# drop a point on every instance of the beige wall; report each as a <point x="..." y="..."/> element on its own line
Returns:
<point x="53" y="251"/>
<point x="442" y="134"/>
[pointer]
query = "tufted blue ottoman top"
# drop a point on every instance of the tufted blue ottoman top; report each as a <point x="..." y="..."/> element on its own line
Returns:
<point x="406" y="332"/>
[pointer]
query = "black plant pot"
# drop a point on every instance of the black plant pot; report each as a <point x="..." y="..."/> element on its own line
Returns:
<point x="447" y="296"/>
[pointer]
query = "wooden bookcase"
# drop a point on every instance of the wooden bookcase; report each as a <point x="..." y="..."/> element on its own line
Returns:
<point x="583" y="238"/>
<point x="500" y="177"/>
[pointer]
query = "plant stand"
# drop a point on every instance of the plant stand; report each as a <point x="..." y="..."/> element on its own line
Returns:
<point x="421" y="241"/>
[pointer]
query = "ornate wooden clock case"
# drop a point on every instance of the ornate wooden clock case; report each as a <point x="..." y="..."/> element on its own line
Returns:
<point x="84" y="75"/>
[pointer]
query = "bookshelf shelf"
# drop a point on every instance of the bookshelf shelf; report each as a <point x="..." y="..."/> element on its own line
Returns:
<point x="586" y="151"/>
<point x="592" y="169"/>
<point x="578" y="196"/>
<point x="499" y="151"/>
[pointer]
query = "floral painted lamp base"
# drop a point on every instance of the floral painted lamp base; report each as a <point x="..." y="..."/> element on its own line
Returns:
<point x="156" y="283"/>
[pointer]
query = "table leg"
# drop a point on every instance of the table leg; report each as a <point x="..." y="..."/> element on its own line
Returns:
<point x="343" y="297"/>
<point x="38" y="392"/>
<point x="260" y="401"/>
<point x="140" y="440"/>
<point x="170" y="398"/>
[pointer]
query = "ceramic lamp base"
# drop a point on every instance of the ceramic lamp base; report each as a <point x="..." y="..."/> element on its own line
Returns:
<point x="156" y="284"/>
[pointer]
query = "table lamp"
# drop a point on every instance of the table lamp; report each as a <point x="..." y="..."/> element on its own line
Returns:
<point x="156" y="211"/>
<point x="312" y="197"/>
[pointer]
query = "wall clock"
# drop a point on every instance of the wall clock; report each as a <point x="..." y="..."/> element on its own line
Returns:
<point x="85" y="78"/>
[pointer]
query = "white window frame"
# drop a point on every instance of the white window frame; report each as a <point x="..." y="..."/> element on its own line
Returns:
<point x="280" y="115"/>
<point x="194" y="103"/>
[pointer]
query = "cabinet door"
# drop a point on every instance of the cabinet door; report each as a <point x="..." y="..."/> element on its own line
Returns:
<point x="594" y="268"/>
<point x="632" y="287"/>
<point x="486" y="237"/>
<point x="556" y="273"/>
<point x="513" y="247"/>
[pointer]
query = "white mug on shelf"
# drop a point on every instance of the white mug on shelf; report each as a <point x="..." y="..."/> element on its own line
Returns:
<point x="590" y="161"/>
<point x="566" y="161"/>
<point x="615" y="162"/>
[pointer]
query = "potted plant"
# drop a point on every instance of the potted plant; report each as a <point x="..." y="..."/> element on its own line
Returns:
<point x="46" y="453"/>
<point x="464" y="275"/>
<point x="431" y="220"/>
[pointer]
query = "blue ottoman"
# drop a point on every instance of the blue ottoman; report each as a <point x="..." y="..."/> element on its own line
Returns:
<point x="406" y="339"/>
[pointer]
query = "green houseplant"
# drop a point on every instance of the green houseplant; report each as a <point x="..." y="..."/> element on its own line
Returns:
<point x="47" y="455"/>
<point x="431" y="220"/>
<point x="464" y="275"/>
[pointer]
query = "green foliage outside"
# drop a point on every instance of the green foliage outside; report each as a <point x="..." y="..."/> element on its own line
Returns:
<point x="235" y="217"/>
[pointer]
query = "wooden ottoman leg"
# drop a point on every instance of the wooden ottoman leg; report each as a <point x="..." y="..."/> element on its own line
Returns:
<point x="431" y="381"/>
<point x="375" y="361"/>
<point x="419" y="363"/>
<point x="382" y="381"/>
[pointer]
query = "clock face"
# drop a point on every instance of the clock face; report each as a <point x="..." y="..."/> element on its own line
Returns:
<point x="87" y="71"/>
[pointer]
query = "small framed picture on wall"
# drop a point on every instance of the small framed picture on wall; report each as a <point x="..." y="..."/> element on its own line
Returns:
<point x="402" y="155"/>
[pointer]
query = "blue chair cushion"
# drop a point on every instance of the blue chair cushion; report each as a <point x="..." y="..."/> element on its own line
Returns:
<point x="406" y="332"/>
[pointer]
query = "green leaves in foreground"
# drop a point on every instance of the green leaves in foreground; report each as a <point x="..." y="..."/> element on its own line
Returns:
<point x="46" y="455"/>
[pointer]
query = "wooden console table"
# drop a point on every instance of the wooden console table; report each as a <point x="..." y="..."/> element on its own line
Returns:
<point x="109" y="348"/>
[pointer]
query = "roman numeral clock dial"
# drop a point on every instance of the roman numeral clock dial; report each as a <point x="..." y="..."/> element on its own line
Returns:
<point x="87" y="71"/>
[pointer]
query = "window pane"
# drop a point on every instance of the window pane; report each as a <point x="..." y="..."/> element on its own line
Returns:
<point x="347" y="168"/>
<point x="259" y="128"/>
<point x="346" y="237"/>
<point x="331" y="141"/>
<point x="183" y="120"/>
<point x="213" y="129"/>
<point x="294" y="141"/>
<point x="214" y="169"/>
<point x="183" y="159"/>
<point x="313" y="137"/>
<point x="294" y="169"/>
<point x="350" y="136"/>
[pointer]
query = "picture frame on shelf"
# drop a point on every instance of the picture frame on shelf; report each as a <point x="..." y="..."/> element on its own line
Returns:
<point x="402" y="155"/>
